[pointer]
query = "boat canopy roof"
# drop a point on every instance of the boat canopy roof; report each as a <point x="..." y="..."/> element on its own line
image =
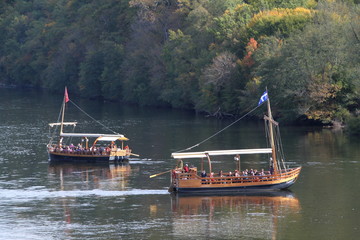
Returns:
<point x="64" y="123"/>
<point x="111" y="138"/>
<point x="99" y="136"/>
<point x="220" y="152"/>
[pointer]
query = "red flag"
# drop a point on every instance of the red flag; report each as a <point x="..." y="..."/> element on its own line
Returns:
<point x="66" y="96"/>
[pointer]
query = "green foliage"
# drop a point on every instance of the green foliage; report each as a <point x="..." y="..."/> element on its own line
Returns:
<point x="230" y="27"/>
<point x="180" y="55"/>
<point x="310" y="75"/>
<point x="278" y="21"/>
<point x="209" y="55"/>
<point x="271" y="4"/>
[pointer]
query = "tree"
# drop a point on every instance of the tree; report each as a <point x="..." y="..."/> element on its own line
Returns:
<point x="218" y="85"/>
<point x="307" y="75"/>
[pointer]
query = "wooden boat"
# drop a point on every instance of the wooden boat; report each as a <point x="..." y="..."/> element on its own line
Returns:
<point x="104" y="148"/>
<point x="189" y="180"/>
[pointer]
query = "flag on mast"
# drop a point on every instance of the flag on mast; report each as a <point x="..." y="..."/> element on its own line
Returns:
<point x="66" y="96"/>
<point x="263" y="98"/>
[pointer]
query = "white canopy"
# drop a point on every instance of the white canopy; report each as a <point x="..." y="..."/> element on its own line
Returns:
<point x="64" y="123"/>
<point x="100" y="136"/>
<point x="220" y="152"/>
<point x="111" y="138"/>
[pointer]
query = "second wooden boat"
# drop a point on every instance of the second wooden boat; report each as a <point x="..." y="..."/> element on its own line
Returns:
<point x="102" y="148"/>
<point x="278" y="176"/>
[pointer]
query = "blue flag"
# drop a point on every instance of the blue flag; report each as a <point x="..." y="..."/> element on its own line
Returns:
<point x="263" y="98"/>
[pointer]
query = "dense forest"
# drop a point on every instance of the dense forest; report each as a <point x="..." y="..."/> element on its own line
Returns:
<point x="213" y="56"/>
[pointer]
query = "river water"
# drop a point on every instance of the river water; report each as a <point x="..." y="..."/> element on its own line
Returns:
<point x="41" y="200"/>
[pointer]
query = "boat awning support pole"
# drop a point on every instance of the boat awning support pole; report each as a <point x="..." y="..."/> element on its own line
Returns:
<point x="208" y="157"/>
<point x="237" y="159"/>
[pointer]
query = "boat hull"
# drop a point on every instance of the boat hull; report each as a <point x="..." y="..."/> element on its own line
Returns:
<point x="59" y="157"/>
<point x="231" y="185"/>
<point x="238" y="189"/>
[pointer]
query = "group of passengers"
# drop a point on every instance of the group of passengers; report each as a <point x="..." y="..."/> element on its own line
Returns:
<point x="79" y="149"/>
<point x="236" y="173"/>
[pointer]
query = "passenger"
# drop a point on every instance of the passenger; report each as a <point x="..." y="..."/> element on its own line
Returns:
<point x="237" y="173"/>
<point x="203" y="175"/>
<point x="186" y="168"/>
<point x="221" y="173"/>
<point x="271" y="170"/>
<point x="72" y="146"/>
<point x="212" y="176"/>
<point x="108" y="149"/>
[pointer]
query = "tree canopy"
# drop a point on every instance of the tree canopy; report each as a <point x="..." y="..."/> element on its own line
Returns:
<point x="208" y="55"/>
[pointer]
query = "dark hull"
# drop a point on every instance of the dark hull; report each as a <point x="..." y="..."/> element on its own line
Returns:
<point x="53" y="157"/>
<point x="236" y="189"/>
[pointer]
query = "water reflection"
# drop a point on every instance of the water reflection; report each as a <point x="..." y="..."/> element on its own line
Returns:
<point x="246" y="216"/>
<point x="83" y="176"/>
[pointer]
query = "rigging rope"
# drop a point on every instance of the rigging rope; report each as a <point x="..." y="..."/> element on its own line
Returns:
<point x="93" y="118"/>
<point x="215" y="134"/>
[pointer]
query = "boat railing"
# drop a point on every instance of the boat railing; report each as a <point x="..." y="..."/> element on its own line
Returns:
<point x="97" y="152"/>
<point x="226" y="179"/>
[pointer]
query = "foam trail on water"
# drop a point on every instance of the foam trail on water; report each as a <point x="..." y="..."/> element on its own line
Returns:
<point x="13" y="195"/>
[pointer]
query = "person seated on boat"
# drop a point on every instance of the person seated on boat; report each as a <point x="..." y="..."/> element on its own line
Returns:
<point x="108" y="149"/>
<point x="230" y="174"/>
<point x="186" y="168"/>
<point x="101" y="150"/>
<point x="64" y="149"/>
<point x="245" y="173"/>
<point x="271" y="170"/>
<point x="237" y="173"/>
<point x="203" y="174"/>
<point x="113" y="147"/>
<point x="78" y="150"/>
<point x="72" y="146"/>
<point x="58" y="149"/>
<point x="212" y="176"/>
<point x="93" y="150"/>
<point x="262" y="173"/>
<point x="221" y="173"/>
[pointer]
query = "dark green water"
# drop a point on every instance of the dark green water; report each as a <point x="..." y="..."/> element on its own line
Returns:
<point x="39" y="200"/>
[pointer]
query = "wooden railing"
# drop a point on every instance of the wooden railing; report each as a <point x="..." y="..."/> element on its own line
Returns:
<point x="293" y="172"/>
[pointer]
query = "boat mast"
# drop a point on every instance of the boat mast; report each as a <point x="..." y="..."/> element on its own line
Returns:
<point x="272" y="141"/>
<point x="66" y="99"/>
<point x="62" y="117"/>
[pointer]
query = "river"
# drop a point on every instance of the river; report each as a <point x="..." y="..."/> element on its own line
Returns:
<point x="42" y="200"/>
